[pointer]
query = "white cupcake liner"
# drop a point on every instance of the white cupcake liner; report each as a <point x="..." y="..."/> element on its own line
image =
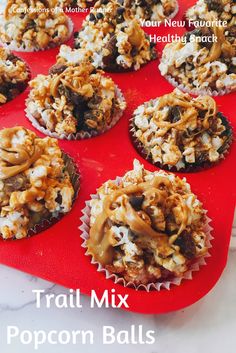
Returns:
<point x="188" y="275"/>
<point x="195" y="91"/>
<point x="188" y="168"/>
<point x="79" y="135"/>
<point x="13" y="45"/>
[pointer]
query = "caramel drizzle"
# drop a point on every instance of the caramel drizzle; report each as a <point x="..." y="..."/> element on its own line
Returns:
<point x="18" y="159"/>
<point x="100" y="242"/>
<point x="66" y="78"/>
<point x="136" y="35"/>
<point x="220" y="44"/>
<point x="191" y="108"/>
<point x="216" y="48"/>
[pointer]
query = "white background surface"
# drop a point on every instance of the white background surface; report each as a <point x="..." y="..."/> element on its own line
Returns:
<point x="207" y="326"/>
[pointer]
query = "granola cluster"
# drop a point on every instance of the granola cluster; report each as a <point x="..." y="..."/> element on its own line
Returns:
<point x="74" y="99"/>
<point x="179" y="131"/>
<point x="201" y="65"/>
<point x="112" y="38"/>
<point x="14" y="76"/>
<point x="147" y="228"/>
<point x="34" y="184"/>
<point x="33" y="25"/>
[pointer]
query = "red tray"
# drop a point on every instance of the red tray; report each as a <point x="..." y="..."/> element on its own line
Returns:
<point x="56" y="254"/>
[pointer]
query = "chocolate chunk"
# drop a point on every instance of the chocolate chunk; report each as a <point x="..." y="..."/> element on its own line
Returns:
<point x="232" y="31"/>
<point x="59" y="198"/>
<point x="227" y="132"/>
<point x="134" y="51"/>
<point x="11" y="90"/>
<point x="213" y="125"/>
<point x="174" y="114"/>
<point x="120" y="11"/>
<point x="195" y="32"/>
<point x="120" y="19"/>
<point x="78" y="113"/>
<point x="136" y="202"/>
<point x="142" y="3"/>
<point x="100" y="16"/>
<point x="110" y="59"/>
<point x="232" y="69"/>
<point x="206" y="41"/>
<point x="202" y="114"/>
<point x="152" y="44"/>
<point x="187" y="245"/>
<point x="57" y="69"/>
<point x="73" y="97"/>
<point x="111" y="44"/>
<point x="202" y="157"/>
<point x="166" y="274"/>
<point x="31" y="24"/>
<point x="17" y="182"/>
<point x="92" y="18"/>
<point x="215" y="5"/>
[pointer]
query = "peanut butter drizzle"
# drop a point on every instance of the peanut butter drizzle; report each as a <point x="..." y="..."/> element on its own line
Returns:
<point x="100" y="244"/>
<point x="18" y="159"/>
<point x="136" y="35"/>
<point x="190" y="110"/>
<point x="216" y="48"/>
<point x="61" y="78"/>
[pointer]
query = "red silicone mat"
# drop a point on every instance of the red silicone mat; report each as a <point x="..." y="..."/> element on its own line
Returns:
<point x="56" y="254"/>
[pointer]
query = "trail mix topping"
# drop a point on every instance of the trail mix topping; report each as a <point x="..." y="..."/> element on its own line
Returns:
<point x="150" y="227"/>
<point x="224" y="10"/>
<point x="112" y="38"/>
<point x="74" y="99"/>
<point x="219" y="10"/>
<point x="157" y="10"/>
<point x="33" y="25"/>
<point x="177" y="130"/>
<point x="14" y="76"/>
<point x="202" y="66"/>
<point x="33" y="181"/>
